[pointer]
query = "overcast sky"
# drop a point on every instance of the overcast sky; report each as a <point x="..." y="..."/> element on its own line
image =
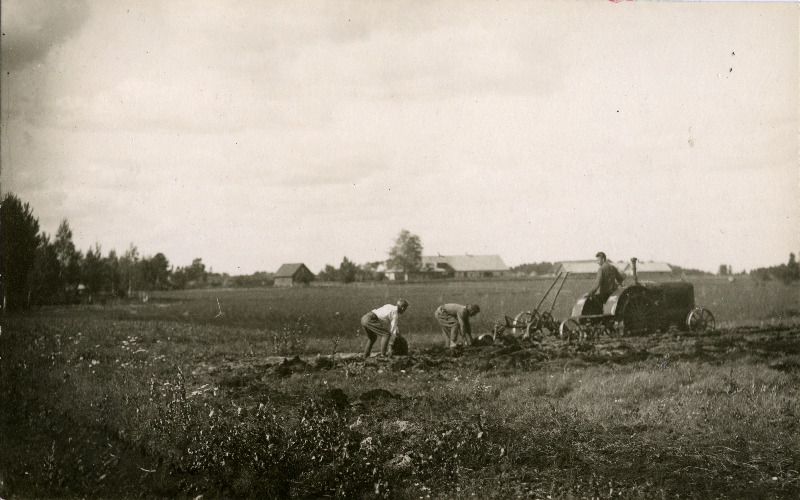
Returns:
<point x="254" y="133"/>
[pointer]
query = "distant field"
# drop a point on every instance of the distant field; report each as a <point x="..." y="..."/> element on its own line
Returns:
<point x="199" y="393"/>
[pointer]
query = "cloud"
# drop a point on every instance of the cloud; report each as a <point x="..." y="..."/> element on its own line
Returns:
<point x="32" y="28"/>
<point x="251" y="133"/>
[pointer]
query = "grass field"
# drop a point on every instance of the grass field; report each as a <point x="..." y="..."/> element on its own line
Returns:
<point x="182" y="396"/>
<point x="331" y="311"/>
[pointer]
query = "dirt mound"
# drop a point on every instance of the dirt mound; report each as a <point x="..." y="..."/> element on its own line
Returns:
<point x="402" y="363"/>
<point x="289" y="366"/>
<point x="323" y="363"/>
<point x="377" y="401"/>
<point x="336" y="398"/>
<point x="418" y="362"/>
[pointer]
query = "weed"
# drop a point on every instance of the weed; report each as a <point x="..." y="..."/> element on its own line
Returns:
<point x="335" y="342"/>
<point x="291" y="338"/>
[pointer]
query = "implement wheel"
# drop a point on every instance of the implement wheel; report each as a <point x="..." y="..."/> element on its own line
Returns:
<point x="570" y="330"/>
<point x="522" y="323"/>
<point x="701" y="321"/>
<point x="639" y="316"/>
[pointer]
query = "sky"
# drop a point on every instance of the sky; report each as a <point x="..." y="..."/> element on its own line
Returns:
<point x="252" y="133"/>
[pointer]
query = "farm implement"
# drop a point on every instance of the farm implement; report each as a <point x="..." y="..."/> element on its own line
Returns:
<point x="641" y="308"/>
<point x="535" y="321"/>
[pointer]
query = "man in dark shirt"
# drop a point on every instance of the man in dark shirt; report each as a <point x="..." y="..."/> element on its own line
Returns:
<point x="608" y="277"/>
<point x="454" y="318"/>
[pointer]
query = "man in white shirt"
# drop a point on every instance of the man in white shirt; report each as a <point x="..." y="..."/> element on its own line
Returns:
<point x="384" y="322"/>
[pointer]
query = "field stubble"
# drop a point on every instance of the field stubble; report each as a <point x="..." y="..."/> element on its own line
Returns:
<point x="181" y="397"/>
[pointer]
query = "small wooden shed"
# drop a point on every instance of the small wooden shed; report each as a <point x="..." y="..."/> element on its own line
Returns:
<point x="293" y="274"/>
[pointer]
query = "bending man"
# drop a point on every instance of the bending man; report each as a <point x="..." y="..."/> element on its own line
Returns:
<point x="384" y="322"/>
<point x="454" y="318"/>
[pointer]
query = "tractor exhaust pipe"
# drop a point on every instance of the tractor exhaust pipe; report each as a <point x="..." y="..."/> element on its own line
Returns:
<point x="635" y="278"/>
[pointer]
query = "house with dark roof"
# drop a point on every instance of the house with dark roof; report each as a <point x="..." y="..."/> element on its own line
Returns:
<point x="293" y="274"/>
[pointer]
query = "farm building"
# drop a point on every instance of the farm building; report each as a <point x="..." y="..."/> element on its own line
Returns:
<point x="648" y="270"/>
<point x="465" y="266"/>
<point x="588" y="269"/>
<point x="293" y="274"/>
<point x="582" y="268"/>
<point x="425" y="273"/>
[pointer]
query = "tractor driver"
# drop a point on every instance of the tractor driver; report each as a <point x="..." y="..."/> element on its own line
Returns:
<point x="607" y="280"/>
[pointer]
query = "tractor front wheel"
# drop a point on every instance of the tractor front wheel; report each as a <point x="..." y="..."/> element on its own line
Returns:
<point x="701" y="321"/>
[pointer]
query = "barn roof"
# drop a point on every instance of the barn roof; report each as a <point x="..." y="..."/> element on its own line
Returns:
<point x="467" y="262"/>
<point x="583" y="266"/>
<point x="578" y="266"/>
<point x="648" y="267"/>
<point x="288" y="270"/>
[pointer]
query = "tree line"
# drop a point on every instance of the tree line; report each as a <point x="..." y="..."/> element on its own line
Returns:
<point x="786" y="273"/>
<point x="37" y="268"/>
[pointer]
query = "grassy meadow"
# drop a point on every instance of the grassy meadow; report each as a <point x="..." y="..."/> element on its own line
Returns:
<point x="199" y="393"/>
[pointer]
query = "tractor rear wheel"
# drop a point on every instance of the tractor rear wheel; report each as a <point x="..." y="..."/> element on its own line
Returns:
<point x="639" y="316"/>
